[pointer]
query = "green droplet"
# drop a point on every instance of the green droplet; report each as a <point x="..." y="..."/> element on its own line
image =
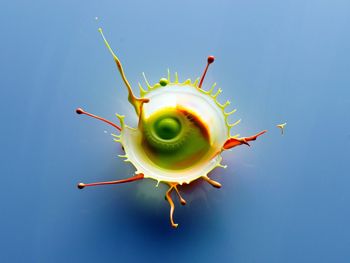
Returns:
<point x="163" y="82"/>
<point x="167" y="128"/>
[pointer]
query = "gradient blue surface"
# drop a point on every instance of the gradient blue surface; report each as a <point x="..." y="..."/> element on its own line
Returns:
<point x="285" y="199"/>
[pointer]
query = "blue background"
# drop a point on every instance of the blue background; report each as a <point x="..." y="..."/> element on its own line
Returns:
<point x="285" y="199"/>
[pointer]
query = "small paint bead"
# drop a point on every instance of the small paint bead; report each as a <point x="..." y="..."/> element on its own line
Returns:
<point x="79" y="111"/>
<point x="211" y="59"/>
<point x="163" y="82"/>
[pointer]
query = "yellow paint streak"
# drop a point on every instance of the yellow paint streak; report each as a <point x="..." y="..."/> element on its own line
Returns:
<point x="136" y="102"/>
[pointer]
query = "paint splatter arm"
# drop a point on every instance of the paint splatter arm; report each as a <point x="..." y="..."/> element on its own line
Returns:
<point x="233" y="142"/>
<point x="136" y="102"/>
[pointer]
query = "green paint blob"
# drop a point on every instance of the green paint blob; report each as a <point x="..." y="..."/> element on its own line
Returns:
<point x="167" y="128"/>
<point x="174" y="139"/>
<point x="163" y="82"/>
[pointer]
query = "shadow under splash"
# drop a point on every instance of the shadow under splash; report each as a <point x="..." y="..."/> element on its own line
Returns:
<point x="146" y="211"/>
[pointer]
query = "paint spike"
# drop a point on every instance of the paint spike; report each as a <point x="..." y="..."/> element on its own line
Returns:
<point x="127" y="180"/>
<point x="142" y="90"/>
<point x="121" y="119"/>
<point x="217" y="93"/>
<point x="131" y="97"/>
<point x="195" y="83"/>
<point x="224" y="105"/>
<point x="182" y="201"/>
<point x="209" y="61"/>
<point x="212" y="182"/>
<point x="233" y="142"/>
<point x="169" y="76"/>
<point x="172" y="206"/>
<point x="176" y="78"/>
<point x="230" y="112"/>
<point x="81" y="111"/>
<point x="115" y="135"/>
<point x="211" y="89"/>
<point x="222" y="166"/>
<point x="146" y="81"/>
<point x="234" y="124"/>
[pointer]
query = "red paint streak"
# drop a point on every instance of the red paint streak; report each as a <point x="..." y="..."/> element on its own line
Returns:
<point x="209" y="61"/>
<point x="127" y="180"/>
<point x="233" y="142"/>
<point x="196" y="121"/>
<point x="81" y="111"/>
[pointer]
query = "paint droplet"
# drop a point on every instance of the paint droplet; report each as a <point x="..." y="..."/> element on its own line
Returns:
<point x="163" y="82"/>
<point x="211" y="59"/>
<point x="281" y="126"/>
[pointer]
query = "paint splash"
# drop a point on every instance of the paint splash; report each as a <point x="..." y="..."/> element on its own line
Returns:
<point x="282" y="127"/>
<point x="182" y="131"/>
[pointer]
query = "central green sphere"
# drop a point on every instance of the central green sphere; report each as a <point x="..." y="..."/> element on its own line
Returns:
<point x="167" y="128"/>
